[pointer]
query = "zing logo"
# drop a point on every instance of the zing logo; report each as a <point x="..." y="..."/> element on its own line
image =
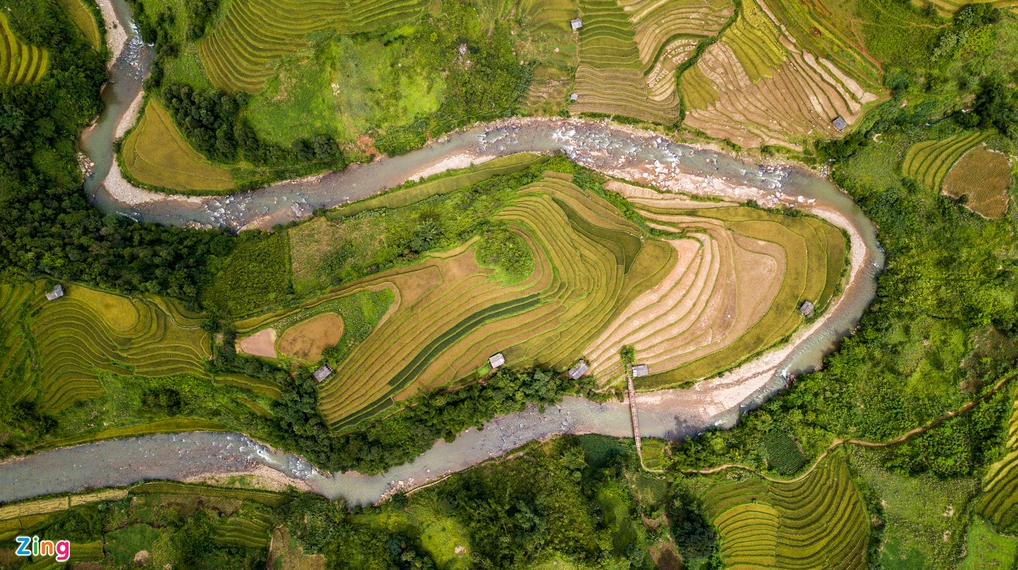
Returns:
<point x="32" y="546"/>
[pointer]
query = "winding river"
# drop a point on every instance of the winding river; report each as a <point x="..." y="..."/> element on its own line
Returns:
<point x="614" y="150"/>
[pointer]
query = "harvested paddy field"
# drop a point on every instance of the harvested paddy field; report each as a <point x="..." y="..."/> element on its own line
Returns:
<point x="262" y="343"/>
<point x="742" y="275"/>
<point x="774" y="80"/>
<point x="156" y="154"/>
<point x="306" y="340"/>
<point x="983" y="177"/>
<point x="816" y="521"/>
<point x="713" y="287"/>
<point x="19" y="62"/>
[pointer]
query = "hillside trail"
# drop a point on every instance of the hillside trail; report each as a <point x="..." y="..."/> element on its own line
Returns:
<point x="861" y="443"/>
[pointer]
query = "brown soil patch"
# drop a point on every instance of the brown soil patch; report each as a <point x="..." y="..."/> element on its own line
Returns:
<point x="307" y="339"/>
<point x="984" y="176"/>
<point x="666" y="556"/>
<point x="261" y="343"/>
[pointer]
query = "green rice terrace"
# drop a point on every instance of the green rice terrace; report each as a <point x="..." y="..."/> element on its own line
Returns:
<point x="1000" y="484"/>
<point x="19" y="62"/>
<point x="816" y="521"/>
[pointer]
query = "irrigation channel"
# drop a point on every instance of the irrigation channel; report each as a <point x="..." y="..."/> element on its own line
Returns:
<point x="626" y="153"/>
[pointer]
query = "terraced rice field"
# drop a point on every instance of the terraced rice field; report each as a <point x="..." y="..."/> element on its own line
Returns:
<point x="759" y="86"/>
<point x="929" y="161"/>
<point x="245" y="531"/>
<point x="16" y="356"/>
<point x="156" y="154"/>
<point x="827" y="29"/>
<point x="741" y="276"/>
<point x="999" y="503"/>
<point x="84" y="19"/>
<point x="19" y="62"/>
<point x="692" y="305"/>
<point x="816" y="522"/>
<point x="239" y="53"/>
<point x="451" y="314"/>
<point x="630" y="52"/>
<point x="88" y="331"/>
<point x="18" y="517"/>
<point x="983" y="176"/>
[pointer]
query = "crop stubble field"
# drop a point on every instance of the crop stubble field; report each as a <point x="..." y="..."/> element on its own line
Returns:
<point x="721" y="285"/>
<point x="983" y="177"/>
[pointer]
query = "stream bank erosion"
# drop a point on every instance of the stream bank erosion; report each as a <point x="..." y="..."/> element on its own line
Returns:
<point x="613" y="150"/>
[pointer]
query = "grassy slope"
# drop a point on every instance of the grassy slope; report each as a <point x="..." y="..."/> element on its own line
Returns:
<point x="84" y="18"/>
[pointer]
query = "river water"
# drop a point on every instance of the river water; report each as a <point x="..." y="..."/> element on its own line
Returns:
<point x="619" y="151"/>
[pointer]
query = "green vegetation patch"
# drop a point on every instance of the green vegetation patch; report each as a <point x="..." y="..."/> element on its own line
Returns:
<point x="254" y="277"/>
<point x="783" y="453"/>
<point x="924" y="517"/>
<point x="986" y="548"/>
